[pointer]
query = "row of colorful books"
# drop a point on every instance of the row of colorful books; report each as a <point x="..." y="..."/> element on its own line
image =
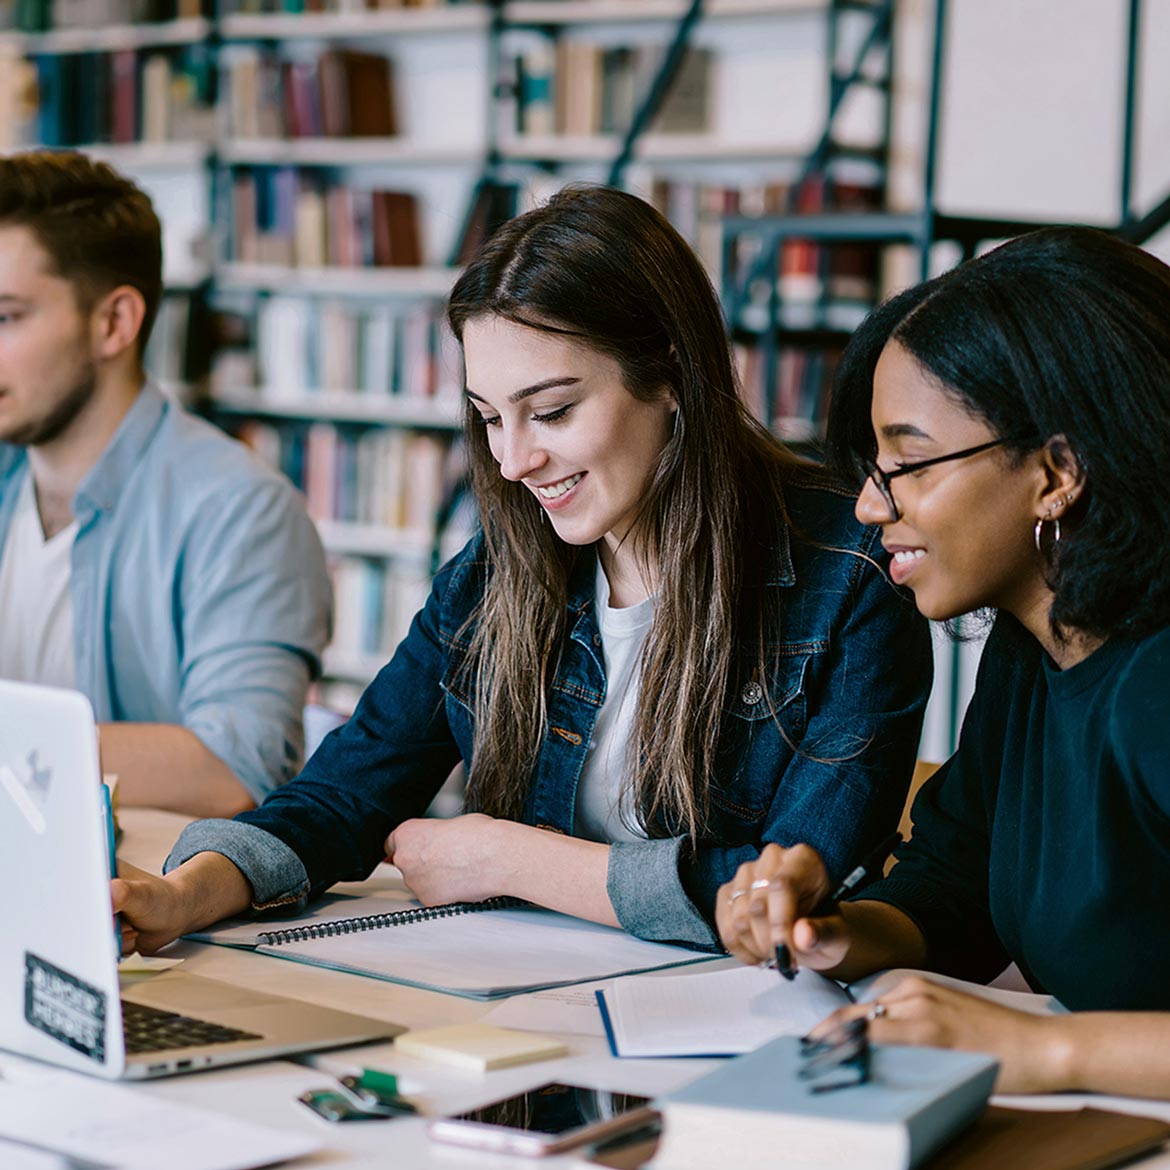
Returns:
<point x="284" y="215"/>
<point x="807" y="271"/>
<point x="339" y="93"/>
<point x="392" y="478"/>
<point x="128" y="95"/>
<point x="43" y="15"/>
<point x="796" y="405"/>
<point x="296" y="6"/>
<point x="373" y="604"/>
<point x="289" y="346"/>
<point x="574" y="87"/>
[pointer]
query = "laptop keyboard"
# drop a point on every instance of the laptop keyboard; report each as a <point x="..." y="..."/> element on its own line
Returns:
<point x="149" y="1029"/>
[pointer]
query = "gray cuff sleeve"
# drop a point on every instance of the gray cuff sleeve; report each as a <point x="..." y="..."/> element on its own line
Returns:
<point x="277" y="875"/>
<point x="648" y="897"/>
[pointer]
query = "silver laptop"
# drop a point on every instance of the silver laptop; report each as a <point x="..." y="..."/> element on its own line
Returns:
<point x="59" y="984"/>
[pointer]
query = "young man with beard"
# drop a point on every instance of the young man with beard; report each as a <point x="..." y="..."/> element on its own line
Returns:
<point x="145" y="559"/>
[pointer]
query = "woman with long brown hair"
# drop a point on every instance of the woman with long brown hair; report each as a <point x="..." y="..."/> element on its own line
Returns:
<point x="671" y="643"/>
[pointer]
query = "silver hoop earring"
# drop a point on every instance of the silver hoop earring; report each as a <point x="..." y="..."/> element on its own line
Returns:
<point x="1038" y="531"/>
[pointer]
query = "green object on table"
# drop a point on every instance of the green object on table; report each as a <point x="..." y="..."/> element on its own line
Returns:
<point x="378" y="1091"/>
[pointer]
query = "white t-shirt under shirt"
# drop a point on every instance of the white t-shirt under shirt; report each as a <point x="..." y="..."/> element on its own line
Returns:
<point x="603" y="812"/>
<point x="36" y="605"/>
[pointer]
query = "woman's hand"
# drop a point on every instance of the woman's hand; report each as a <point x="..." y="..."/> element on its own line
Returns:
<point x="767" y="902"/>
<point x="912" y="1009"/>
<point x="456" y="860"/>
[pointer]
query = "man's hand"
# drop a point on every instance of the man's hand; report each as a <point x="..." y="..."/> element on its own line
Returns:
<point x="156" y="910"/>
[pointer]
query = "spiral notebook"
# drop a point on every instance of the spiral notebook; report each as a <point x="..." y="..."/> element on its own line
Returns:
<point x="480" y="950"/>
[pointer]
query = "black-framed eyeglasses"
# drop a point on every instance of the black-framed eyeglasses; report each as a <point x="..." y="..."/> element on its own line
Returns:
<point x="840" y="1060"/>
<point x="881" y="479"/>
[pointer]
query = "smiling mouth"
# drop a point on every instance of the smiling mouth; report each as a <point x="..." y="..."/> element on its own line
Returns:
<point x="553" y="491"/>
<point x="908" y="556"/>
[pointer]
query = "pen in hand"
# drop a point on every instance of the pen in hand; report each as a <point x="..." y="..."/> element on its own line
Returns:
<point x="873" y="861"/>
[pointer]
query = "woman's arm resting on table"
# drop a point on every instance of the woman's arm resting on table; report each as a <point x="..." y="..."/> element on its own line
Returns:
<point x="156" y="910"/>
<point x="1124" y="1053"/>
<point x="473" y="857"/>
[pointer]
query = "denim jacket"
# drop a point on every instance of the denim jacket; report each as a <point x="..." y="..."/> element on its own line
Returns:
<point x="849" y="684"/>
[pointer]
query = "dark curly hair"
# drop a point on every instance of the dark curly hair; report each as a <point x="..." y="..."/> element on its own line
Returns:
<point x="1061" y="332"/>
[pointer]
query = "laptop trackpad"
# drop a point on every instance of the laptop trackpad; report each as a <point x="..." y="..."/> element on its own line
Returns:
<point x="176" y="991"/>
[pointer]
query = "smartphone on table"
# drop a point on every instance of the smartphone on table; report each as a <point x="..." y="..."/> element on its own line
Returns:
<point x="547" y="1120"/>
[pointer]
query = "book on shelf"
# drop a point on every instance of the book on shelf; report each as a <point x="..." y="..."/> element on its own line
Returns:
<point x="374" y="605"/>
<point x="295" y="7"/>
<point x="492" y="204"/>
<point x="366" y="349"/>
<point x="389" y="478"/>
<point x="45" y="15"/>
<point x="123" y="96"/>
<point x="340" y="93"/>
<point x="283" y="215"/>
<point x="357" y="94"/>
<point x="916" y="1099"/>
<point x="696" y="210"/>
<point x="579" y="88"/>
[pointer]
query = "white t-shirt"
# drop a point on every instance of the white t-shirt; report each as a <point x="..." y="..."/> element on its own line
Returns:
<point x="36" y="606"/>
<point x="600" y="803"/>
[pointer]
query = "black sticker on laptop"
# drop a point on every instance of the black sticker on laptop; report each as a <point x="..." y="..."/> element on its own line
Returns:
<point x="62" y="1006"/>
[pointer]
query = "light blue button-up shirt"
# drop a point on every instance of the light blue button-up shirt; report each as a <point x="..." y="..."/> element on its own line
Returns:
<point x="200" y="594"/>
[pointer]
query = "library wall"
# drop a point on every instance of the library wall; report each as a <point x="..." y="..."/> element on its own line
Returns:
<point x="313" y="162"/>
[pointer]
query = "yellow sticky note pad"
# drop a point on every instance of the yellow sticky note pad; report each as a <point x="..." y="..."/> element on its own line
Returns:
<point x="479" y="1047"/>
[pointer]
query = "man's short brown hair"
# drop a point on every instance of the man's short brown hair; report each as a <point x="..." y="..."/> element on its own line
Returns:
<point x="98" y="228"/>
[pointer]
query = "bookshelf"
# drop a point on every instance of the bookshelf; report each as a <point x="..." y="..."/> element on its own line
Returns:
<point x="323" y="351"/>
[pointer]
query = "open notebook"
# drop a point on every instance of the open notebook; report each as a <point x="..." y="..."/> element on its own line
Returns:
<point x="734" y="1010"/>
<point x="482" y="950"/>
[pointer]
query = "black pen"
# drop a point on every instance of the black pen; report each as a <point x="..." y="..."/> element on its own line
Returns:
<point x="873" y="861"/>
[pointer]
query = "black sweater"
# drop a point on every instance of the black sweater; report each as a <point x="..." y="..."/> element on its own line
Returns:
<point x="1046" y="837"/>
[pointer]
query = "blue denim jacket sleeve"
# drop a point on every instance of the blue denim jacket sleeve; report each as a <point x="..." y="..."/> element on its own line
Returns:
<point x="382" y="767"/>
<point x="275" y="873"/>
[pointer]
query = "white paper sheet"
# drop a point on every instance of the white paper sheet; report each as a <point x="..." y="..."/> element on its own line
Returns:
<point x="716" y="1013"/>
<point x="14" y="1157"/>
<point x="572" y="1010"/>
<point x="79" y="1117"/>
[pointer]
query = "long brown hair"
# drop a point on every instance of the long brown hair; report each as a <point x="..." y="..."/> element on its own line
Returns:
<point x="607" y="269"/>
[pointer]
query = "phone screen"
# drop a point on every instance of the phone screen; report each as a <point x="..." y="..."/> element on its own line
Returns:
<point x="555" y="1109"/>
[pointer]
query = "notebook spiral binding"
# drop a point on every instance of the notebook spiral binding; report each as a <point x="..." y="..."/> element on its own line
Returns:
<point x="276" y="938"/>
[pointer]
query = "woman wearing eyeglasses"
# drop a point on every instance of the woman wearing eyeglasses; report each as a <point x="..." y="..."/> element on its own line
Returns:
<point x="1011" y="422"/>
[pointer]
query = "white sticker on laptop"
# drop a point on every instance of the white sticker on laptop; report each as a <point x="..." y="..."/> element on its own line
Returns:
<point x="62" y="1006"/>
<point x="30" y="792"/>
